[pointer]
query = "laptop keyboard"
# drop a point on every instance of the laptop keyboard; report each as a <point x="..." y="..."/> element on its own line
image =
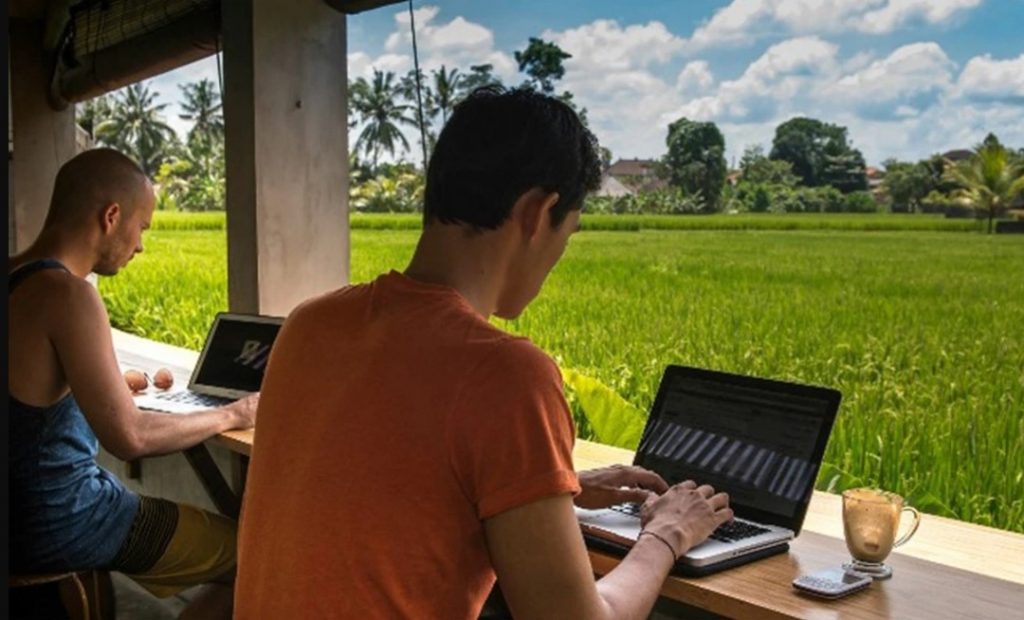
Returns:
<point x="737" y="530"/>
<point x="727" y="532"/>
<point x="191" y="398"/>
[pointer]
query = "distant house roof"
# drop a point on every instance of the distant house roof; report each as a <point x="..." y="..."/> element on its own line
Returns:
<point x="874" y="173"/>
<point x="958" y="154"/>
<point x="610" y="186"/>
<point x="734" y="177"/>
<point x="633" y="168"/>
<point x="638" y="175"/>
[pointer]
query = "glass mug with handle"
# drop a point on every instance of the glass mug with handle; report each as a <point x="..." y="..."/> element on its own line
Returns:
<point x="871" y="519"/>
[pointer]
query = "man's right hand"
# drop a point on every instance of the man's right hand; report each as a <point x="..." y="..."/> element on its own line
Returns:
<point x="244" y="411"/>
<point x="686" y="514"/>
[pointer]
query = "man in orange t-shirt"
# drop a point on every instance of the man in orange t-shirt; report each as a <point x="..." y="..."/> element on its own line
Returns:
<point x="408" y="451"/>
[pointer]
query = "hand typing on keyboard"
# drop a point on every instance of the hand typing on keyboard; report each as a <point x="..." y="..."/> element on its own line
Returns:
<point x="607" y="486"/>
<point x="685" y="515"/>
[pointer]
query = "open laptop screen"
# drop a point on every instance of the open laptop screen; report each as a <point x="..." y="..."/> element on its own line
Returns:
<point x="236" y="353"/>
<point x="759" y="440"/>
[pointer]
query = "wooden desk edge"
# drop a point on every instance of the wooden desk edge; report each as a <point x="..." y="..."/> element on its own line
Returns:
<point x="236" y="441"/>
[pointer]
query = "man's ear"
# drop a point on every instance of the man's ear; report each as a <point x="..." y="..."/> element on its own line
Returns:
<point x="534" y="210"/>
<point x="110" y="215"/>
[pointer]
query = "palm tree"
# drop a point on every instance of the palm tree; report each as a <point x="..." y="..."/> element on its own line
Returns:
<point x="447" y="91"/>
<point x="990" y="180"/>
<point x="136" y="127"/>
<point x="414" y="91"/>
<point x="377" y="105"/>
<point x="93" y="112"/>
<point x="202" y="105"/>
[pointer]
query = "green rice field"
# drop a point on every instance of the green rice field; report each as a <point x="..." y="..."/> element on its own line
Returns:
<point x="921" y="329"/>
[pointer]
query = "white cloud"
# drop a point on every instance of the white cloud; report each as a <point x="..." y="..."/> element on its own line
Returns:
<point x="456" y="43"/>
<point x="912" y="75"/>
<point x="986" y="79"/>
<point x="606" y="45"/>
<point x="629" y="105"/>
<point x="744" y="21"/>
<point x="695" y="78"/>
<point x="898" y="12"/>
<point x="908" y="104"/>
<point x="611" y="75"/>
<point x="785" y="72"/>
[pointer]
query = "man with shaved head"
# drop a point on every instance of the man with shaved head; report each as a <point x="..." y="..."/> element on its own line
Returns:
<point x="67" y="396"/>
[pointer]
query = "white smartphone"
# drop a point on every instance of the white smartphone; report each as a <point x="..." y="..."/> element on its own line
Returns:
<point x="832" y="582"/>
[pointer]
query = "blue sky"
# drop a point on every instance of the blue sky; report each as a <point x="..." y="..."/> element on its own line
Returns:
<point x="907" y="77"/>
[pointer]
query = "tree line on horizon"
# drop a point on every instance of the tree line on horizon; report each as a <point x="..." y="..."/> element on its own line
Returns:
<point x="812" y="165"/>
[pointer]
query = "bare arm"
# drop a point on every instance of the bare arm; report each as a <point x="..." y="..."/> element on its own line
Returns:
<point x="80" y="334"/>
<point x="542" y="564"/>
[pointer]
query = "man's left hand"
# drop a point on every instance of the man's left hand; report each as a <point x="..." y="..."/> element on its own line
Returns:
<point x="617" y="484"/>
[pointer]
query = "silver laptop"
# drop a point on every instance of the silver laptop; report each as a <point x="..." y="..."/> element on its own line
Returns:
<point x="230" y="366"/>
<point x="760" y="441"/>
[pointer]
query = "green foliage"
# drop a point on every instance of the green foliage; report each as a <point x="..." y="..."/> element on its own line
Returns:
<point x="611" y="418"/>
<point x="421" y="98"/>
<point x="860" y="202"/>
<point x="820" y="154"/>
<point x="847" y="171"/>
<point x="854" y="222"/>
<point x="542" y="61"/>
<point x="479" y="76"/>
<point x="134" y="125"/>
<point x="655" y="202"/>
<point x="776" y="198"/>
<point x="92" y="112"/>
<point x="376" y="106"/>
<point x="202" y="106"/>
<point x="936" y="202"/>
<point x="932" y="405"/>
<point x="990" y="180"/>
<point x="760" y="199"/>
<point x="448" y="89"/>
<point x="757" y="169"/>
<point x="194" y="178"/>
<point x="399" y="192"/>
<point x="907" y="184"/>
<point x="696" y="160"/>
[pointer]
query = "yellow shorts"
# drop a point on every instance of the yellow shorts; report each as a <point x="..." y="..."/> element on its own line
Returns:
<point x="201" y="550"/>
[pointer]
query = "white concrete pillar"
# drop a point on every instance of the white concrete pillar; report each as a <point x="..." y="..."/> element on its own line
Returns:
<point x="287" y="153"/>
<point x="43" y="138"/>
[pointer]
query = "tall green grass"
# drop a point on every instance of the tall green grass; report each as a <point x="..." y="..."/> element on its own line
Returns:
<point x="921" y="331"/>
<point x="182" y="220"/>
<point x="172" y="220"/>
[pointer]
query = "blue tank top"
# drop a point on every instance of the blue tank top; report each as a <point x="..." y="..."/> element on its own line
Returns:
<point x="66" y="512"/>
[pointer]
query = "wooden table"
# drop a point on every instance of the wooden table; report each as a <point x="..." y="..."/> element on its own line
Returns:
<point x="950" y="569"/>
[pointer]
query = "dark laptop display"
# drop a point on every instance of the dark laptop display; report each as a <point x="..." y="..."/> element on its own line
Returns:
<point x="236" y="355"/>
<point x="759" y="439"/>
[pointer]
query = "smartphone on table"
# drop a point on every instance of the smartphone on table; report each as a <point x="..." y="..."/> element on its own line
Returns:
<point x="832" y="582"/>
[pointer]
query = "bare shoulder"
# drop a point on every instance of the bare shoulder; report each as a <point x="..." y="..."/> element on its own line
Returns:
<point x="63" y="299"/>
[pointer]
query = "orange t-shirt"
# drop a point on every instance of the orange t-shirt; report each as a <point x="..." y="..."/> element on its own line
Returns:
<point x="393" y="420"/>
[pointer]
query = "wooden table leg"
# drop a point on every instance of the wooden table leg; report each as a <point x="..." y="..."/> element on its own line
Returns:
<point x="224" y="498"/>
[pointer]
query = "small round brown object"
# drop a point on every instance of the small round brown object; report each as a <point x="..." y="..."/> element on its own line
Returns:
<point x="136" y="380"/>
<point x="163" y="379"/>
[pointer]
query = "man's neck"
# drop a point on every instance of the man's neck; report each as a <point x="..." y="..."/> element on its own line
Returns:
<point x="474" y="264"/>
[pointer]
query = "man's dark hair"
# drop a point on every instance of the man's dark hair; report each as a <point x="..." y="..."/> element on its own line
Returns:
<point x="498" y="145"/>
